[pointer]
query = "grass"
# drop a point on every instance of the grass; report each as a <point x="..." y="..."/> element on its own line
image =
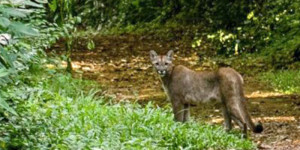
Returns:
<point x="58" y="112"/>
<point x="286" y="81"/>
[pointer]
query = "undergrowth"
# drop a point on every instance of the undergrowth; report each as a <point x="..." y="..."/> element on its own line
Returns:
<point x="286" y="81"/>
<point x="56" y="111"/>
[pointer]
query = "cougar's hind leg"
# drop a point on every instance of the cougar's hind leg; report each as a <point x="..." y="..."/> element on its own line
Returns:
<point x="242" y="125"/>
<point x="245" y="131"/>
<point x="186" y="115"/>
<point x="237" y="121"/>
<point x="227" y="118"/>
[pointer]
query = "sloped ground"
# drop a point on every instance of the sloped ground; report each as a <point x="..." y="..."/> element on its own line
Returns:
<point x="121" y="64"/>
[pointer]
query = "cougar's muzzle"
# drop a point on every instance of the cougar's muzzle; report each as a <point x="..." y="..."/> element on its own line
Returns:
<point x="162" y="72"/>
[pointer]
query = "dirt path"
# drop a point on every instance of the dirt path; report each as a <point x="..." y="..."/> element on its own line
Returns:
<point x="121" y="64"/>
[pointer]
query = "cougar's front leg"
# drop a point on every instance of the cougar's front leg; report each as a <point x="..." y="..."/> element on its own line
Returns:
<point x="178" y="110"/>
<point x="186" y="115"/>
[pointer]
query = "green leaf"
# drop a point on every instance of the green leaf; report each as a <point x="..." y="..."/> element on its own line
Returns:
<point x="4" y="58"/>
<point x="3" y="72"/>
<point x="42" y="1"/>
<point x="30" y="3"/>
<point x="20" y="28"/>
<point x="53" y="6"/>
<point x="13" y="12"/>
<point x="6" y="107"/>
<point x="26" y="11"/>
<point x="91" y="45"/>
<point x="4" y="22"/>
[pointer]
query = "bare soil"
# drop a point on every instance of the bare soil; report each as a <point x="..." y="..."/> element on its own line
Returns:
<point x="121" y="65"/>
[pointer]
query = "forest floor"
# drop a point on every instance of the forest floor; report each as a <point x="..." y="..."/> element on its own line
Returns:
<point x="121" y="65"/>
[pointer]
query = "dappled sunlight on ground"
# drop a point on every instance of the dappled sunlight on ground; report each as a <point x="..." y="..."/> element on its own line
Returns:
<point x="264" y="119"/>
<point x="264" y="94"/>
<point x="122" y="66"/>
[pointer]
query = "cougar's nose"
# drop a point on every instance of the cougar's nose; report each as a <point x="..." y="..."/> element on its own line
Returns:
<point x="161" y="72"/>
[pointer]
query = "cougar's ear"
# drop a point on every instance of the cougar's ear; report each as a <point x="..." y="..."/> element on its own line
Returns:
<point x="170" y="55"/>
<point x="153" y="55"/>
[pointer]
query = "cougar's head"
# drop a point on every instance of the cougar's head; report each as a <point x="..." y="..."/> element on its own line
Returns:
<point x="162" y="63"/>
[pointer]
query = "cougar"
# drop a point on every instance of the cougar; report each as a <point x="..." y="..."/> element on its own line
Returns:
<point x="185" y="88"/>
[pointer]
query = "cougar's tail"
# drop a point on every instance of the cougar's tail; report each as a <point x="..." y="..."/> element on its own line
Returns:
<point x="258" y="128"/>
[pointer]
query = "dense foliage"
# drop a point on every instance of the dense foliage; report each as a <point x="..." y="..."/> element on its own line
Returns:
<point x="24" y="36"/>
<point x="270" y="28"/>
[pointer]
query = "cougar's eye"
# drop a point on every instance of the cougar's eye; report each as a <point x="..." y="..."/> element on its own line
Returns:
<point x="166" y="63"/>
<point x="157" y="63"/>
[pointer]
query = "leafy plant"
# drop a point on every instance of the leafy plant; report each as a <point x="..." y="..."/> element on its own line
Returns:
<point x="63" y="12"/>
<point x="287" y="81"/>
<point x="14" y="30"/>
<point x="23" y="36"/>
<point x="58" y="112"/>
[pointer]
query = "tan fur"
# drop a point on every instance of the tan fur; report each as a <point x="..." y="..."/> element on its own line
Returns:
<point x="186" y="87"/>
